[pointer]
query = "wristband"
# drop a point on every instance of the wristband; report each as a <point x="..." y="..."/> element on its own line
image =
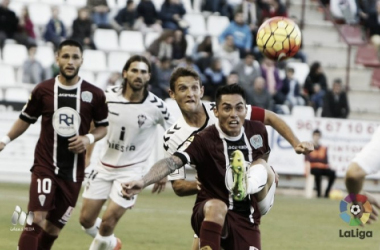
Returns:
<point x="5" y="140"/>
<point x="91" y="137"/>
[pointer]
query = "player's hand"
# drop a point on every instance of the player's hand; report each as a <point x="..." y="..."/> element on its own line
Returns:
<point x="199" y="184"/>
<point x="159" y="186"/>
<point x="375" y="203"/>
<point x="304" y="147"/>
<point x="78" y="144"/>
<point x="2" y="146"/>
<point x="132" y="188"/>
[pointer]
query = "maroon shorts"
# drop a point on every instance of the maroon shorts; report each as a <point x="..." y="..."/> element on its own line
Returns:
<point x="239" y="233"/>
<point x="50" y="193"/>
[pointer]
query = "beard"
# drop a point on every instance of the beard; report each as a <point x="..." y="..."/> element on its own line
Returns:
<point x="134" y="86"/>
<point x="68" y="77"/>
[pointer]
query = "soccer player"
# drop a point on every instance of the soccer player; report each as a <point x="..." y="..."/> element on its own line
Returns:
<point x="68" y="105"/>
<point x="366" y="162"/>
<point x="134" y="114"/>
<point x="234" y="193"/>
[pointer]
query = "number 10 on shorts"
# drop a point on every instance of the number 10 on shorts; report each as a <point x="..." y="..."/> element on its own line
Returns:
<point x="43" y="187"/>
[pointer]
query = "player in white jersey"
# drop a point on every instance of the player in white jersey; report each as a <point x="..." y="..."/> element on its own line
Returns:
<point x="187" y="90"/>
<point x="134" y="115"/>
<point x="366" y="162"/>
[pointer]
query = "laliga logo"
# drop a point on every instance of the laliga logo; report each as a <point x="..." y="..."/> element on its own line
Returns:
<point x="355" y="210"/>
<point x="66" y="121"/>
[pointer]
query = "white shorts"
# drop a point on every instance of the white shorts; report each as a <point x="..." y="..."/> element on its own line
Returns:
<point x="105" y="182"/>
<point x="266" y="204"/>
<point x="369" y="158"/>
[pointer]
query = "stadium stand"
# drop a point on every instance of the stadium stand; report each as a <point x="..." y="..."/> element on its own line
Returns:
<point x="116" y="60"/>
<point x="16" y="95"/>
<point x="109" y="44"/>
<point x="95" y="60"/>
<point x="8" y="77"/>
<point x="131" y="41"/>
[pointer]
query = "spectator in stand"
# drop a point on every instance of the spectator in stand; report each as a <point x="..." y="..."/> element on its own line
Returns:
<point x="317" y="162"/>
<point x="115" y="79"/>
<point x="162" y="46"/>
<point x="55" y="29"/>
<point x="335" y="103"/>
<point x="272" y="78"/>
<point x="215" y="78"/>
<point x="365" y="7"/>
<point x="291" y="90"/>
<point x="373" y="26"/>
<point x="241" y="33"/>
<point x="317" y="97"/>
<point x="203" y="53"/>
<point x="99" y="12"/>
<point x="171" y="15"/>
<point x="164" y="72"/>
<point x="126" y="17"/>
<point x="229" y="52"/>
<point x="218" y="6"/>
<point x="32" y="70"/>
<point x="179" y="46"/>
<point x="148" y="17"/>
<point x="233" y="78"/>
<point x="9" y="25"/>
<point x="82" y="29"/>
<point x="258" y="95"/>
<point x="315" y="75"/>
<point x="189" y="62"/>
<point x="26" y="27"/>
<point x="248" y="70"/>
<point x="273" y="8"/>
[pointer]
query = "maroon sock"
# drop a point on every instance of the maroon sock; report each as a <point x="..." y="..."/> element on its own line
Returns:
<point x="210" y="235"/>
<point x="29" y="237"/>
<point x="45" y="240"/>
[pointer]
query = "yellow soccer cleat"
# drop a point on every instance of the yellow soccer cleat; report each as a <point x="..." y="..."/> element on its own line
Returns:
<point x="239" y="189"/>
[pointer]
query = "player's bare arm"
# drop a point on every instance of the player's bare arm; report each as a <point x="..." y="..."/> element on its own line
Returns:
<point x="160" y="186"/>
<point x="18" y="128"/>
<point x="79" y="143"/>
<point x="285" y="131"/>
<point x="184" y="187"/>
<point x="159" y="170"/>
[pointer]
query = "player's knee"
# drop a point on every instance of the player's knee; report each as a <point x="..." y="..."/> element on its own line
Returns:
<point x="39" y="218"/>
<point x="215" y="210"/>
<point x="107" y="226"/>
<point x="85" y="221"/>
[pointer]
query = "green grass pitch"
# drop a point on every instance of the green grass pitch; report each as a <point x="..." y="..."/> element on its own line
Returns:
<point x="162" y="222"/>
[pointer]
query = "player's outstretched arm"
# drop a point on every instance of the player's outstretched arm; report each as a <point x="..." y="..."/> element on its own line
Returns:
<point x="79" y="143"/>
<point x="285" y="131"/>
<point x="184" y="187"/>
<point x="160" y="186"/>
<point x="18" y="128"/>
<point x="159" y="170"/>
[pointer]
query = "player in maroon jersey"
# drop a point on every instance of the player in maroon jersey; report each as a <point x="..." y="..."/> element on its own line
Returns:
<point x="235" y="202"/>
<point x="67" y="105"/>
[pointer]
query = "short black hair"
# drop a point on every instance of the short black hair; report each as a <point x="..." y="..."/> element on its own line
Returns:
<point x="289" y="69"/>
<point x="183" y="72"/>
<point x="317" y="131"/>
<point x="70" y="42"/>
<point x="229" y="90"/>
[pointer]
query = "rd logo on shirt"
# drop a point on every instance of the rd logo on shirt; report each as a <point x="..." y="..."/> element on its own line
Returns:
<point x="66" y="121"/>
<point x="256" y="141"/>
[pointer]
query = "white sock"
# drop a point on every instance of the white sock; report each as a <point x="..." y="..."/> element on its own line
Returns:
<point x="92" y="231"/>
<point x="257" y="178"/>
<point x="103" y="242"/>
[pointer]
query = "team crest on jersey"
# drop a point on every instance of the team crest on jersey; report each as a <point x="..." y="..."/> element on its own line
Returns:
<point x="87" y="96"/>
<point x="256" y="141"/>
<point x="141" y="120"/>
<point x="66" y="121"/>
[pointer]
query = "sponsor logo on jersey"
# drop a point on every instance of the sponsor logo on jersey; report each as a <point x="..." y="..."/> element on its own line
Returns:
<point x="67" y="95"/>
<point x="86" y="96"/>
<point x="141" y="120"/>
<point x="120" y="147"/>
<point x="256" y="141"/>
<point x="66" y="121"/>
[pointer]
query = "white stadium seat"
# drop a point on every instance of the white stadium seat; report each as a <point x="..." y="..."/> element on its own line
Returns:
<point x="16" y="7"/>
<point x="88" y="76"/>
<point x="14" y="54"/>
<point x="217" y="24"/>
<point x="68" y="14"/>
<point x="190" y="44"/>
<point x="301" y="70"/>
<point x="8" y="76"/>
<point x="117" y="60"/>
<point x="197" y="5"/>
<point x="40" y="13"/>
<point x="303" y="112"/>
<point x="150" y="37"/>
<point x="158" y="4"/>
<point x="187" y="5"/>
<point x="197" y="24"/>
<point x="106" y="39"/>
<point x="101" y="80"/>
<point x="55" y="2"/>
<point x="1" y="95"/>
<point x="77" y="3"/>
<point x="45" y="55"/>
<point x="94" y="60"/>
<point x="16" y="95"/>
<point x="131" y="41"/>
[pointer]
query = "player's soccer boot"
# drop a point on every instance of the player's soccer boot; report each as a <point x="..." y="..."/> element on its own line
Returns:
<point x="239" y="189"/>
<point x="118" y="244"/>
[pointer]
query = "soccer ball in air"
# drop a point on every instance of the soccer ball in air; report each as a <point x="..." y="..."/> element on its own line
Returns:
<point x="279" y="38"/>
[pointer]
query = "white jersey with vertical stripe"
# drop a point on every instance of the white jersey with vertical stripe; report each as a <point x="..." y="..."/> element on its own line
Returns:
<point x="175" y="138"/>
<point x="132" y="128"/>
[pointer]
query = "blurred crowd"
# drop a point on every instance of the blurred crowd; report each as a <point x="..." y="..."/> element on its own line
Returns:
<point x="235" y="57"/>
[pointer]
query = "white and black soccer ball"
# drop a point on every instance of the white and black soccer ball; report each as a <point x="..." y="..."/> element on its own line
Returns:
<point x="355" y="209"/>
